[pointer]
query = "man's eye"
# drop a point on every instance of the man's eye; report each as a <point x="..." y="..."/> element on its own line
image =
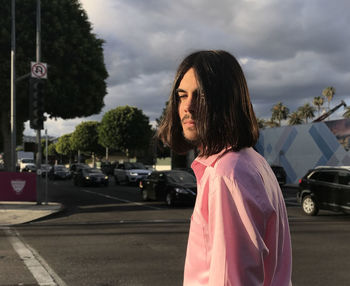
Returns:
<point x="182" y="96"/>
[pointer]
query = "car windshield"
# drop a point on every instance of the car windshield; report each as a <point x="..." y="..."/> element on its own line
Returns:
<point x="181" y="177"/>
<point x="60" y="168"/>
<point x="93" y="170"/>
<point x="135" y="165"/>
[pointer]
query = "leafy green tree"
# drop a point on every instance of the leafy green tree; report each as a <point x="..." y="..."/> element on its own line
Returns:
<point x="127" y="129"/>
<point x="51" y="149"/>
<point x="85" y="138"/>
<point x="318" y="102"/>
<point x="306" y="111"/>
<point x="328" y="93"/>
<point x="295" y="118"/>
<point x="279" y="112"/>
<point x="64" y="146"/>
<point x="76" y="75"/>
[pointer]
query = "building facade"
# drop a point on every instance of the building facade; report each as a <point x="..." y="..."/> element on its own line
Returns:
<point x="298" y="148"/>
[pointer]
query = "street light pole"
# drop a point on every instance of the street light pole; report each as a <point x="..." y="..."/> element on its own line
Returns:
<point x="13" y="87"/>
<point x="38" y="131"/>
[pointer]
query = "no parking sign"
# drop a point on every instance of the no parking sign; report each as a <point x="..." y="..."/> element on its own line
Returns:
<point x="38" y="70"/>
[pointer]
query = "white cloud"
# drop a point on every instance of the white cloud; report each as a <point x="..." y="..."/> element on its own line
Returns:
<point x="290" y="50"/>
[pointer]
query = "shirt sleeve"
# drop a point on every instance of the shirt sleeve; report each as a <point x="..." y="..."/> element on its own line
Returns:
<point x="236" y="227"/>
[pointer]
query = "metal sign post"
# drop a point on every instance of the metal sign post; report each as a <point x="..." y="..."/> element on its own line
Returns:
<point x="13" y="88"/>
<point x="38" y="131"/>
<point x="46" y="171"/>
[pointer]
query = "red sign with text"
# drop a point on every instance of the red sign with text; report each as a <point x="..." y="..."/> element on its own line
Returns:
<point x="17" y="186"/>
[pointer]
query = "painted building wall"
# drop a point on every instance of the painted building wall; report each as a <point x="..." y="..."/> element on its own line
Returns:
<point x="299" y="148"/>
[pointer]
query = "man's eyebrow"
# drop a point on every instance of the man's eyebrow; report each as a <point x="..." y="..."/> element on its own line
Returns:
<point x="180" y="90"/>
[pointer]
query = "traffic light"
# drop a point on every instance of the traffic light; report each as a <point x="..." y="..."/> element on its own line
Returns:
<point x="36" y="104"/>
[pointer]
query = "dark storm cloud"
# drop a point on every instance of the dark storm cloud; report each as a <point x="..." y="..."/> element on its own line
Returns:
<point x="290" y="50"/>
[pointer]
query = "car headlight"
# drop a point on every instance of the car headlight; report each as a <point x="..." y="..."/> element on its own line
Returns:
<point x="133" y="174"/>
<point x="87" y="178"/>
<point x="106" y="177"/>
<point x="181" y="191"/>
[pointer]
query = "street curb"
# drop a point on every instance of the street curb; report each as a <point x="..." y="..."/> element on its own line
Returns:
<point x="15" y="213"/>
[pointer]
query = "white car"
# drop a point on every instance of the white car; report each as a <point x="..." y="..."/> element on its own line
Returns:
<point x="130" y="172"/>
<point x="26" y="165"/>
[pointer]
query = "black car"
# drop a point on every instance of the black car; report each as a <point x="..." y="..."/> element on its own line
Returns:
<point x="280" y="174"/>
<point x="75" y="167"/>
<point x="326" y="188"/>
<point x="170" y="186"/>
<point x="59" y="172"/>
<point x="90" y="177"/>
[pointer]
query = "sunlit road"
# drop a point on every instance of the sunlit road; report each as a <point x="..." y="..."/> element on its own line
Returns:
<point x="108" y="236"/>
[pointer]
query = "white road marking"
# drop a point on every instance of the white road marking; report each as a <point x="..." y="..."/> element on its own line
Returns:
<point x="122" y="200"/>
<point x="39" y="268"/>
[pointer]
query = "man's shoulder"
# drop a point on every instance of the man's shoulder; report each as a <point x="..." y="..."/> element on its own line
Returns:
<point x="233" y="164"/>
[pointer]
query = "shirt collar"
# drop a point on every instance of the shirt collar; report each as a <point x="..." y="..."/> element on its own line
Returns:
<point x="209" y="161"/>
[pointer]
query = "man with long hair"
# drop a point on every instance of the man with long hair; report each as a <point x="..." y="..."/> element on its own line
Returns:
<point x="239" y="233"/>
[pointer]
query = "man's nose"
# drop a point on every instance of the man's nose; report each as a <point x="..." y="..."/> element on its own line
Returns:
<point x="189" y="104"/>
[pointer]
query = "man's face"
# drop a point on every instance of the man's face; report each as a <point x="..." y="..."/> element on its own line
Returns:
<point x="187" y="92"/>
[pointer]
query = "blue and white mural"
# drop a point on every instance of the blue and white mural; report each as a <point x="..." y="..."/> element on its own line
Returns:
<point x="299" y="148"/>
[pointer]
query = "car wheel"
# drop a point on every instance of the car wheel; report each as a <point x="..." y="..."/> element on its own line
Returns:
<point x="169" y="200"/>
<point x="145" y="195"/>
<point x="309" y="205"/>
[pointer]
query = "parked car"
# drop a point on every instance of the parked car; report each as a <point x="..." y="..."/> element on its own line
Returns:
<point x="27" y="165"/>
<point x="108" y="167"/>
<point x="73" y="168"/>
<point x="45" y="169"/>
<point x="59" y="172"/>
<point x="280" y="174"/>
<point x="29" y="168"/>
<point x="326" y="188"/>
<point x="173" y="187"/>
<point x="130" y="172"/>
<point x="89" y="177"/>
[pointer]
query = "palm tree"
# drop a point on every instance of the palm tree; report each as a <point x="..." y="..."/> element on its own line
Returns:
<point x="328" y="92"/>
<point x="271" y="123"/>
<point x="279" y="112"/>
<point x="261" y="123"/>
<point x="295" y="118"/>
<point x="318" y="102"/>
<point x="306" y="111"/>
<point x="346" y="114"/>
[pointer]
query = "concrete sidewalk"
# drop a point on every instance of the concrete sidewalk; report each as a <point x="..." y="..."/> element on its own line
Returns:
<point x="13" y="213"/>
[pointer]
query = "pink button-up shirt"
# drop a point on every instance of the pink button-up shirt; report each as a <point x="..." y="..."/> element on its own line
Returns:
<point x="239" y="232"/>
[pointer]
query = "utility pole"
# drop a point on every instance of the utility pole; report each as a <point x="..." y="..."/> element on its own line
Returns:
<point x="13" y="87"/>
<point x="38" y="131"/>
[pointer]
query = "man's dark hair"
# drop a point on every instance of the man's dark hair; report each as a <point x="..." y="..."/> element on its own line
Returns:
<point x="223" y="114"/>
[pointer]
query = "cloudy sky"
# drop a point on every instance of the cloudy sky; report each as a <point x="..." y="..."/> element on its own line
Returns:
<point x="290" y="50"/>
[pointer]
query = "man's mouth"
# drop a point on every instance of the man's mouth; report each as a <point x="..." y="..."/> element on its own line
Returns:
<point x="188" y="121"/>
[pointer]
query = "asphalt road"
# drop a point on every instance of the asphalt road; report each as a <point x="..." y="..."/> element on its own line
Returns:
<point x="108" y="236"/>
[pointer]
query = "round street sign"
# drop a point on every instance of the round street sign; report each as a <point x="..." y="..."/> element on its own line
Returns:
<point x="39" y="70"/>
